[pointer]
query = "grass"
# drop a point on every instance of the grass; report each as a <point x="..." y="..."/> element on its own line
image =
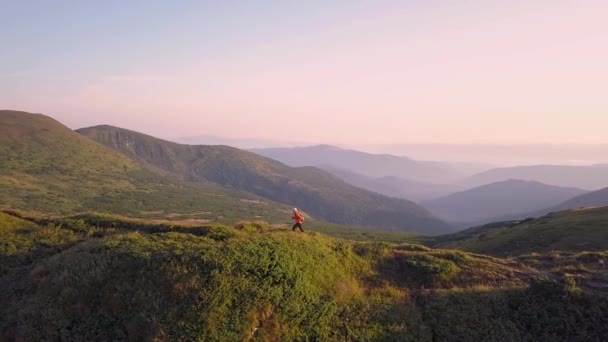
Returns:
<point x="356" y="233"/>
<point x="95" y="277"/>
<point x="572" y="230"/>
<point x="588" y="269"/>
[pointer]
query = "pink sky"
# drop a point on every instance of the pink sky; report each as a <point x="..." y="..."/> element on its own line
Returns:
<point x="376" y="73"/>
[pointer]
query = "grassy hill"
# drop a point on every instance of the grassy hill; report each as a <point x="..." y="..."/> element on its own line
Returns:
<point x="501" y="199"/>
<point x="317" y="192"/>
<point x="47" y="167"/>
<point x="92" y="277"/>
<point x="572" y="230"/>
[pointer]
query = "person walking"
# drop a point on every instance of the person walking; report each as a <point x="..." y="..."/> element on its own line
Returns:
<point x="299" y="219"/>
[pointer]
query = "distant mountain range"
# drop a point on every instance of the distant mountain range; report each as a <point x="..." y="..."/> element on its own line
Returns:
<point x="597" y="198"/>
<point x="315" y="191"/>
<point x="502" y="199"/>
<point x="367" y="164"/>
<point x="591" y="199"/>
<point x="502" y="154"/>
<point x="592" y="177"/>
<point x="394" y="186"/>
<point x="243" y="143"/>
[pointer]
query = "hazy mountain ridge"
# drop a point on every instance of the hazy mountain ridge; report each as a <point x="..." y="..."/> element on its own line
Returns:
<point x="593" y="177"/>
<point x="316" y="191"/>
<point x="502" y="199"/>
<point x="393" y="186"/>
<point x="367" y="164"/>
<point x="591" y="199"/>
<point x="597" y="198"/>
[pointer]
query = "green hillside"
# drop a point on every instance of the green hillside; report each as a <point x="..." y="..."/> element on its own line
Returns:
<point x="47" y="167"/>
<point x="90" y="277"/>
<point x="572" y="230"/>
<point x="317" y="192"/>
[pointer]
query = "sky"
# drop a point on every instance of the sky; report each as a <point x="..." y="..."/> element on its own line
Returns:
<point x="339" y="72"/>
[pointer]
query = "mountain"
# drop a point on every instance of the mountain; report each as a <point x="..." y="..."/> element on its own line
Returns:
<point x="317" y="192"/>
<point x="368" y="164"/>
<point x="393" y="186"/>
<point x="584" y="177"/>
<point x="99" y="278"/>
<point x="242" y="143"/>
<point x="504" y="154"/>
<point x="571" y="230"/>
<point x="49" y="168"/>
<point x="591" y="199"/>
<point x="506" y="198"/>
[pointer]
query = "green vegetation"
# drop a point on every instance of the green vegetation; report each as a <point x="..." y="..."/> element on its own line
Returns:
<point x="48" y="168"/>
<point x="587" y="269"/>
<point x="355" y="233"/>
<point x="572" y="230"/>
<point x="95" y="277"/>
<point x="317" y="192"/>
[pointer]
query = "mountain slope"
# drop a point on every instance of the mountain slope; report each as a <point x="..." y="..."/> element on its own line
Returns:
<point x="572" y="230"/>
<point x="368" y="164"/>
<point x="92" y="278"/>
<point x="316" y="191"/>
<point x="507" y="198"/>
<point x="49" y="168"/>
<point x="597" y="198"/>
<point x="584" y="177"/>
<point x="393" y="186"/>
<point x="591" y="199"/>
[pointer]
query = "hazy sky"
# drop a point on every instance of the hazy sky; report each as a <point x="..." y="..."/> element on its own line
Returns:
<point x="344" y="72"/>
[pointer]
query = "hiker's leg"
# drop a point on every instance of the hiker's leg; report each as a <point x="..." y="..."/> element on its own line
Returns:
<point x="300" y="226"/>
<point x="294" y="227"/>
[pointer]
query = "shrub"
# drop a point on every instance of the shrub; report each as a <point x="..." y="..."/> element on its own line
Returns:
<point x="412" y="247"/>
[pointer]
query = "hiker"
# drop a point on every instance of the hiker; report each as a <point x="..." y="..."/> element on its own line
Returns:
<point x="299" y="220"/>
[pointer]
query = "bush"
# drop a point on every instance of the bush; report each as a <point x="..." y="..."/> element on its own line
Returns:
<point x="417" y="269"/>
<point x="412" y="247"/>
